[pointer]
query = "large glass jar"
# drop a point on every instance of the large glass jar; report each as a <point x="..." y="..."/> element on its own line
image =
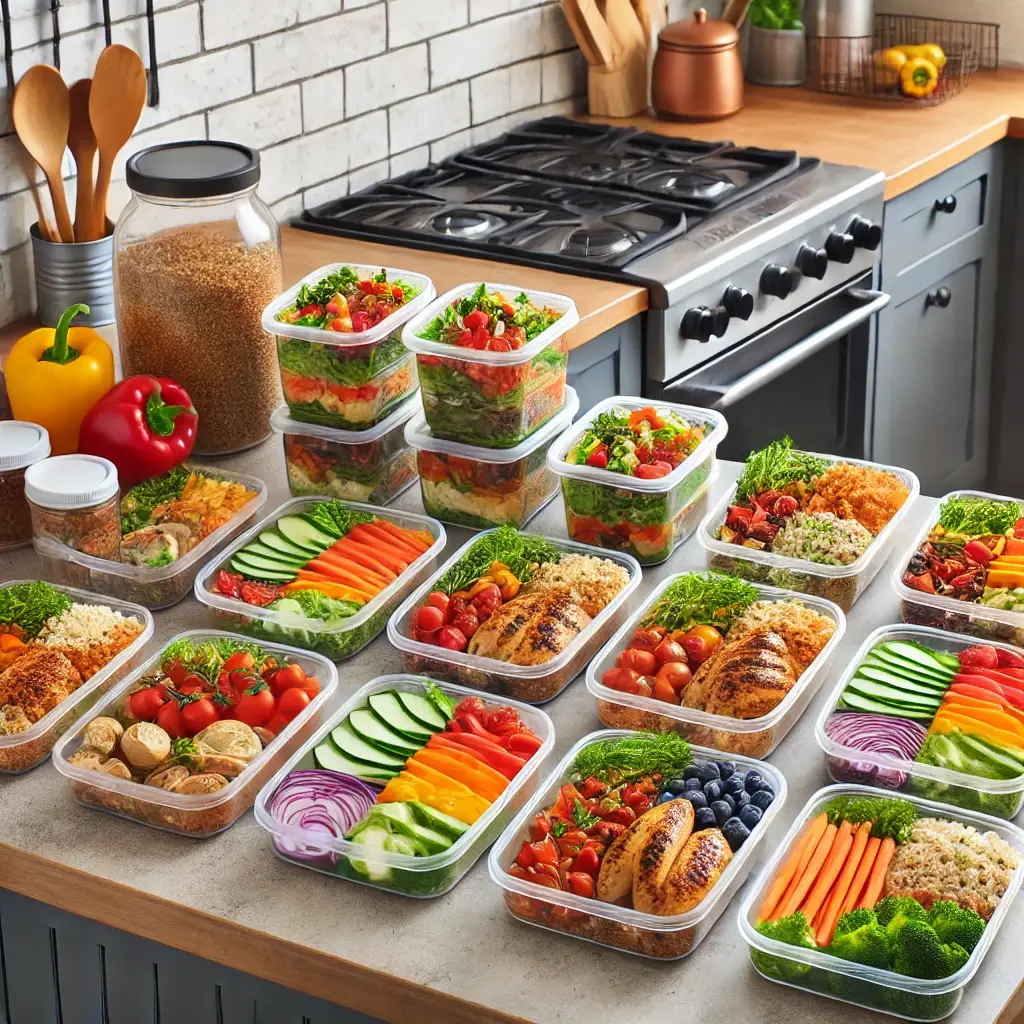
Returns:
<point x="197" y="256"/>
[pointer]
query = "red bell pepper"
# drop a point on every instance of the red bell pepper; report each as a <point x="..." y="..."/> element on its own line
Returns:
<point x="145" y="426"/>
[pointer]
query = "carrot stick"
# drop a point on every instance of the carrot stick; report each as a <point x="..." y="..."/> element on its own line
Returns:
<point x="413" y="539"/>
<point x="829" y="914"/>
<point x="358" y="554"/>
<point x="876" y="880"/>
<point x="375" y="533"/>
<point x="801" y="870"/>
<point x="795" y="864"/>
<point x="341" y="560"/>
<point x="340" y="573"/>
<point x="830" y="871"/>
<point x="386" y="558"/>
<point x="804" y="883"/>
<point x="863" y="870"/>
<point x="393" y="557"/>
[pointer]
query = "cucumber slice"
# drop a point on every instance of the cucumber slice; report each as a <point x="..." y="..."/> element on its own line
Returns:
<point x="902" y="670"/>
<point x="438" y="820"/>
<point x="857" y="702"/>
<point x="369" y="727"/>
<point x="376" y="839"/>
<point x="940" y="674"/>
<point x="422" y="710"/>
<point x="918" y="655"/>
<point x="388" y="708"/>
<point x="273" y="539"/>
<point x="272" y="573"/>
<point x="355" y="747"/>
<point x="327" y="755"/>
<point x="909" y="686"/>
<point x="272" y="555"/>
<point x="304" y="534"/>
<point x="892" y="695"/>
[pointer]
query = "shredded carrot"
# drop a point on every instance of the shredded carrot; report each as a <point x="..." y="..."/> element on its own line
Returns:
<point x="876" y="880"/>
<point x="795" y="864"/>
<point x="829" y="914"/>
<point x="802" y="885"/>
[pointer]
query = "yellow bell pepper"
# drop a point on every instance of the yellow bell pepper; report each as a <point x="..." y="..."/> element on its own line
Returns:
<point x="887" y="66"/>
<point x="930" y="51"/>
<point x="56" y="375"/>
<point x="919" y="78"/>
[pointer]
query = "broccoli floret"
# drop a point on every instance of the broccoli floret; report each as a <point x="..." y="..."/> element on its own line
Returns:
<point x="794" y="930"/>
<point x="860" y="938"/>
<point x="853" y="920"/>
<point x="919" y="952"/>
<point x="953" y="923"/>
<point x="895" y="911"/>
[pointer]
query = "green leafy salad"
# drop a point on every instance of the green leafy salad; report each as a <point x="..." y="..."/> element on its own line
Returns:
<point x="488" y="320"/>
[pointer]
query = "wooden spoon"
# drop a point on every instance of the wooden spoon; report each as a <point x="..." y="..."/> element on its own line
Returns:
<point x="82" y="143"/>
<point x="42" y="115"/>
<point x="116" y="99"/>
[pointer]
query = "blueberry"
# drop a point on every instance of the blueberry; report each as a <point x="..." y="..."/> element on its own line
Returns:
<point x="726" y="768"/>
<point x="691" y="784"/>
<point x="742" y="799"/>
<point x="704" y="818"/>
<point x="697" y="798"/>
<point x="712" y="790"/>
<point x="691" y="771"/>
<point x="721" y="810"/>
<point x="736" y="833"/>
<point x="728" y="798"/>
<point x="734" y="784"/>
<point x="666" y="796"/>
<point x="750" y="815"/>
<point x="762" y="798"/>
<point x="753" y="781"/>
<point x="709" y="772"/>
<point x="675" y="786"/>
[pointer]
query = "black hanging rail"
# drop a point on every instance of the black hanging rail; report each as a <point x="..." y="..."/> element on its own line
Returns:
<point x="154" y="84"/>
<point x="55" y="19"/>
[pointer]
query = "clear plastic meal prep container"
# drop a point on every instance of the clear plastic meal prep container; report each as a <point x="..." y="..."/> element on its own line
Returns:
<point x="492" y="399"/>
<point x="607" y="924"/>
<point x="968" y="617"/>
<point x="754" y="737"/>
<point x="842" y="584"/>
<point x="647" y="518"/>
<point x="482" y="487"/>
<point x="421" y="877"/>
<point x="200" y="814"/>
<point x="877" y="989"/>
<point x="353" y="633"/>
<point x="153" y="586"/>
<point x="373" y="465"/>
<point x="347" y="381"/>
<point x="24" y="750"/>
<point x="1001" y="798"/>
<point x="533" y="684"/>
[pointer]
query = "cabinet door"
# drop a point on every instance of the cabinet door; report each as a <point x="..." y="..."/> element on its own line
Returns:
<point x="927" y="357"/>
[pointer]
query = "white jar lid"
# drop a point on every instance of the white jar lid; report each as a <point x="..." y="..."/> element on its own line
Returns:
<point x="21" y="444"/>
<point x="71" y="481"/>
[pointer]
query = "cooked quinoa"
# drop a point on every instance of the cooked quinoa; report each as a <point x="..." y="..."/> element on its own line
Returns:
<point x="823" y="538"/>
<point x="805" y="631"/>
<point x="945" y="860"/>
<point x="595" y="580"/>
<point x="90" y="635"/>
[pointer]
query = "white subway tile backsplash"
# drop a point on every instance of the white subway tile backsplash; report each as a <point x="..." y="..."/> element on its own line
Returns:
<point x="260" y="120"/>
<point x="323" y="100"/>
<point x="429" y="117"/>
<point x="410" y="160"/>
<point x="381" y="81"/>
<point x="231" y="21"/>
<point x="481" y="9"/>
<point x="563" y="75"/>
<point x="489" y="44"/>
<point x="409" y="21"/>
<point x="368" y="138"/>
<point x="325" y="192"/>
<point x="444" y="148"/>
<point x="507" y="89"/>
<point x="362" y="177"/>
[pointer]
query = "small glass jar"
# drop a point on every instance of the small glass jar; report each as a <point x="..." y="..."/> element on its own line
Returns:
<point x="22" y="444"/>
<point x="75" y="499"/>
<point x="197" y="257"/>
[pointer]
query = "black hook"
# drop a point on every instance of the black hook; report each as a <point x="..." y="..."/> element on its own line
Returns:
<point x="154" y="84"/>
<point x="55" y="18"/>
<point x="106" y="23"/>
<point x="5" y="12"/>
<point x="941" y="297"/>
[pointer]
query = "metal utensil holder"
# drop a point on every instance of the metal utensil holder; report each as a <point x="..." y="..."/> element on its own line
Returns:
<point x="70" y="272"/>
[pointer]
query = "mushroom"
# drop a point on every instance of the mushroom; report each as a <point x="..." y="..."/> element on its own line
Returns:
<point x="229" y="737"/>
<point x="225" y="764"/>
<point x="265" y="736"/>
<point x="103" y="734"/>
<point x="207" y="782"/>
<point x="168" y="778"/>
<point x="156" y="545"/>
<point x="87" y="757"/>
<point x="145" y="745"/>
<point x="114" y="766"/>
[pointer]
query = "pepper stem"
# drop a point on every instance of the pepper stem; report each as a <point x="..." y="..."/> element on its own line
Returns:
<point x="60" y="351"/>
<point x="160" y="416"/>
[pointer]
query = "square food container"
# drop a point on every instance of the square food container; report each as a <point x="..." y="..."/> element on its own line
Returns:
<point x="647" y="518"/>
<point x="1001" y="798"/>
<point x="201" y="814"/>
<point x="753" y="737"/>
<point x="482" y="487"/>
<point x="885" y="991"/>
<point x="842" y="584"/>
<point x="154" y="587"/>
<point x="355" y="632"/>
<point x="533" y="684"/>
<point x="420" y="877"/>
<point x="373" y="465"/>
<point x="967" y="617"/>
<point x="492" y="399"/>
<point x="607" y="924"/>
<point x="346" y="381"/>
<point x="24" y="750"/>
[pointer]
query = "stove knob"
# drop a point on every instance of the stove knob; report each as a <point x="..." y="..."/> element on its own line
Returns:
<point x="777" y="280"/>
<point x="840" y="247"/>
<point x="812" y="262"/>
<point x="866" y="235"/>
<point x="738" y="302"/>
<point x="719" y="321"/>
<point x="698" y="324"/>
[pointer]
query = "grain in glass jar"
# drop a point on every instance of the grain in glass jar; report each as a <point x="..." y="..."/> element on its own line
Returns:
<point x="22" y="444"/>
<point x="76" y="500"/>
<point x="196" y="259"/>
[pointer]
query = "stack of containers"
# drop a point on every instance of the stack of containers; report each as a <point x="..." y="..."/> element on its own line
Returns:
<point x="348" y="392"/>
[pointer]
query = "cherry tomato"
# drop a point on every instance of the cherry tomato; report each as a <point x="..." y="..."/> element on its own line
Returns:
<point x="646" y="639"/>
<point x="476" y="318"/>
<point x="291" y="702"/>
<point x="709" y="635"/>
<point x="196" y="715"/>
<point x="193" y="683"/>
<point x="175" y="671"/>
<point x="676" y="674"/>
<point x="489" y="593"/>
<point x="669" y="650"/>
<point x="425" y="638"/>
<point x="275" y="724"/>
<point x="440" y="600"/>
<point x="146" y="704"/>
<point x="240" y="659"/>
<point x="169" y="719"/>
<point x="255" y="708"/>
<point x="581" y="884"/>
<point x="451" y="639"/>
<point x="310" y="685"/>
<point x="466" y="623"/>
<point x="663" y="691"/>
<point x="653" y="470"/>
<point x="696" y="648"/>
<point x="640" y="661"/>
<point x="286" y="678"/>
<point x="624" y="679"/>
<point x="587" y="861"/>
<point x="598" y="459"/>
<point x="429" y="618"/>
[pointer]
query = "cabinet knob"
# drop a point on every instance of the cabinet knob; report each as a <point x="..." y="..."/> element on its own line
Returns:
<point x="940" y="297"/>
<point x="777" y="280"/>
<point x="947" y="205"/>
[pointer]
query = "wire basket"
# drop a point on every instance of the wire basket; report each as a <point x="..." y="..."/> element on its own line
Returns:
<point x="853" y="66"/>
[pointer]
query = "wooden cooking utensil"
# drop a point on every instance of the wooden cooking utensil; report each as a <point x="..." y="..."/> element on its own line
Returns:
<point x="42" y="114"/>
<point x="624" y="26"/>
<point x="82" y="143"/>
<point x="591" y="32"/>
<point x="116" y="99"/>
<point x="47" y="231"/>
<point x="653" y="17"/>
<point x="735" y="12"/>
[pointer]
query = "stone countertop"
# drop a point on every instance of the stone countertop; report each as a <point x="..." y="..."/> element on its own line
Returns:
<point x="458" y="958"/>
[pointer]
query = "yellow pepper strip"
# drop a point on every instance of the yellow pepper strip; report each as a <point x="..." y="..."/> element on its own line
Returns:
<point x="56" y="375"/>
<point x="919" y="78"/>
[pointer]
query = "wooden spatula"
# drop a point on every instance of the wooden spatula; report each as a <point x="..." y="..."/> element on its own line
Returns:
<point x="116" y="99"/>
<point x="82" y="143"/>
<point x="624" y="26"/>
<point x="591" y="32"/>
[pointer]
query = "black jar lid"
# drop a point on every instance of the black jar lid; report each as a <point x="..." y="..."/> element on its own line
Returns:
<point x="193" y="170"/>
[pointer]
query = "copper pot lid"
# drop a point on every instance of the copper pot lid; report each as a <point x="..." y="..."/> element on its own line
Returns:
<point x="699" y="34"/>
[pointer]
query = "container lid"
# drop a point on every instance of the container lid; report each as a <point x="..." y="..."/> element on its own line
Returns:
<point x="71" y="481"/>
<point x="282" y="423"/>
<point x="419" y="436"/>
<point x="21" y="444"/>
<point x="193" y="170"/>
<point x="698" y="33"/>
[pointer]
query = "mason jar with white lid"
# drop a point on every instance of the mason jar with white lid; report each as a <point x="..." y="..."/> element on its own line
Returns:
<point x="21" y="445"/>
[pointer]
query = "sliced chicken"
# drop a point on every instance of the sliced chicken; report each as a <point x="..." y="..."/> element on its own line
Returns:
<point x="695" y="871"/>
<point x="654" y="860"/>
<point x="615" y="879"/>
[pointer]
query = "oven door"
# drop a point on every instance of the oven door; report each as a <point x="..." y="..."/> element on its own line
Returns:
<point x="806" y="376"/>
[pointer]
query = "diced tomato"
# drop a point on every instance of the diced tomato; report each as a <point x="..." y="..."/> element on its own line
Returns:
<point x="229" y="583"/>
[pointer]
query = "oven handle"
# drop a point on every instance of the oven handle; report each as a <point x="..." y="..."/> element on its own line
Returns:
<point x="872" y="302"/>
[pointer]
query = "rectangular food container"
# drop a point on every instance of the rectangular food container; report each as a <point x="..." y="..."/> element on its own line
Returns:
<point x="842" y="584"/>
<point x="202" y="814"/>
<point x="882" y="990"/>
<point x="346" y="381"/>
<point x="1001" y="798"/>
<point x="348" y="637"/>
<point x="482" y="487"/>
<point x="420" y="877"/>
<point x="647" y="518"/>
<point x="24" y="750"/>
<point x="154" y="587"/>
<point x="754" y="737"/>
<point x="533" y="684"/>
<point x="492" y="399"/>
<point x="607" y="924"/>
<point x="373" y="465"/>
<point x="967" y="617"/>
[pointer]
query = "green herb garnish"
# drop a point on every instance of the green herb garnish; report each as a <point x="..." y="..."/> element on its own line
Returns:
<point x="582" y="817"/>
<point x="978" y="517"/>
<point x="633" y="757"/>
<point x="701" y="598"/>
<point x="559" y="828"/>
<point x="138" y="504"/>
<point x="335" y="517"/>
<point x="776" y="466"/>
<point x="893" y="818"/>
<point x="444" y="704"/>
<point x="447" y="326"/>
<point x="519" y="551"/>
<point x="29" y="605"/>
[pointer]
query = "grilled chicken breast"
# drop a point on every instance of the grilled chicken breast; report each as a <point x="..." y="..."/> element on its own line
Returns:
<point x="654" y="861"/>
<point x="615" y="879"/>
<point x="697" y="868"/>
<point x="38" y="681"/>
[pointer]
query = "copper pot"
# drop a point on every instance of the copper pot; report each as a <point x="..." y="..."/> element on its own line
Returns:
<point x="698" y="73"/>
